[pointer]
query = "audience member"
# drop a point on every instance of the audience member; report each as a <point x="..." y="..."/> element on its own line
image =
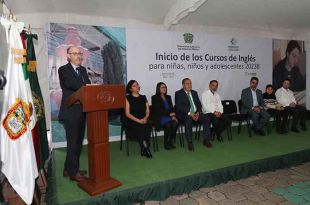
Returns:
<point x="213" y="108"/>
<point x="253" y="105"/>
<point x="137" y="113"/>
<point x="164" y="115"/>
<point x="286" y="97"/>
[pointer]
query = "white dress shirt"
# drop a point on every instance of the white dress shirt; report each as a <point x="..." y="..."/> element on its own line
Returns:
<point x="211" y="102"/>
<point x="74" y="67"/>
<point x="285" y="97"/>
<point x="254" y="96"/>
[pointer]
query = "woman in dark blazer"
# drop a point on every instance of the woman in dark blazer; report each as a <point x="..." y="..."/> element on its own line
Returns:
<point x="163" y="115"/>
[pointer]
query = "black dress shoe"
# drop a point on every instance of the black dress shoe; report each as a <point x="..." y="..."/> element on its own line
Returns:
<point x="148" y="153"/>
<point x="190" y="146"/>
<point x="167" y="147"/>
<point x="81" y="172"/>
<point x="294" y="129"/>
<point x="303" y="127"/>
<point x="207" y="143"/>
<point x="220" y="138"/>
<point x="281" y="131"/>
<point x="261" y="132"/>
<point x="78" y="178"/>
<point x="172" y="146"/>
<point x="143" y="151"/>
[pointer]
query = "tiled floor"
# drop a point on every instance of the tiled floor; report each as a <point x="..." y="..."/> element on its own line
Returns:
<point x="281" y="187"/>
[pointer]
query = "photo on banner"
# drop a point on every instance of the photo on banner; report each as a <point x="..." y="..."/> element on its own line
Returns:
<point x="289" y="62"/>
<point x="104" y="57"/>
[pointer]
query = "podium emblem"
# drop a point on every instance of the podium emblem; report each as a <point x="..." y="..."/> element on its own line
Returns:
<point x="105" y="97"/>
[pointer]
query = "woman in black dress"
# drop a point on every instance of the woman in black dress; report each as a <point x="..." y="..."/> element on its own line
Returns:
<point x="163" y="115"/>
<point x="137" y="113"/>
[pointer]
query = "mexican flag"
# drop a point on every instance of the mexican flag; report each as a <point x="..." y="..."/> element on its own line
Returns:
<point x="39" y="132"/>
<point x="17" y="119"/>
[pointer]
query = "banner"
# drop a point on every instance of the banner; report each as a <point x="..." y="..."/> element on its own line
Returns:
<point x="155" y="56"/>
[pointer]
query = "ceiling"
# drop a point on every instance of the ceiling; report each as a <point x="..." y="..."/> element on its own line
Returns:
<point x="254" y="14"/>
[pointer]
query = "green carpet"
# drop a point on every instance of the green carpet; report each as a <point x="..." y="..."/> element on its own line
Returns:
<point x="136" y="171"/>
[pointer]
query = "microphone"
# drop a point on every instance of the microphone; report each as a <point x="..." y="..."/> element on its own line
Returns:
<point x="94" y="72"/>
<point x="2" y="80"/>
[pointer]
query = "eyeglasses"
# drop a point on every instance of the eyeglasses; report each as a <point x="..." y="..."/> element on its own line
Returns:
<point x="76" y="54"/>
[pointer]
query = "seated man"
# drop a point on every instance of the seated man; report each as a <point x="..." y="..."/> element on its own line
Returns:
<point x="275" y="109"/>
<point x="253" y="105"/>
<point x="286" y="97"/>
<point x="213" y="108"/>
<point x="188" y="110"/>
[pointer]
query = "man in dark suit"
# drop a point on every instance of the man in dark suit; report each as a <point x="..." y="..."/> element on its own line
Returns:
<point x="188" y="110"/>
<point x="73" y="76"/>
<point x="253" y="105"/>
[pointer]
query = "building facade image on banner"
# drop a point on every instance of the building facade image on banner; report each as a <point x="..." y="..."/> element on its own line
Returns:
<point x="104" y="56"/>
<point x="289" y="61"/>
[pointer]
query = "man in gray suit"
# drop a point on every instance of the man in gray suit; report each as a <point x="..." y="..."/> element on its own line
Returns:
<point x="253" y="105"/>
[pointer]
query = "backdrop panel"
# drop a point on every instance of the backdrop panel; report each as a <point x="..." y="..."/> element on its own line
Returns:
<point x="155" y="56"/>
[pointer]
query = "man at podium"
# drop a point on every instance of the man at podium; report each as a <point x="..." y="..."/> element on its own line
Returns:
<point x="73" y="76"/>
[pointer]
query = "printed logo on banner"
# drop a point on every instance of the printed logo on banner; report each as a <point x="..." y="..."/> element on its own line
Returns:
<point x="233" y="45"/>
<point x="188" y="39"/>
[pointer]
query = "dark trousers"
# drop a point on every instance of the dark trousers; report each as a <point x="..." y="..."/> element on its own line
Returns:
<point x="280" y="118"/>
<point x="74" y="124"/>
<point x="259" y="119"/>
<point x="298" y="112"/>
<point x="170" y="131"/>
<point x="204" y="119"/>
<point x="219" y="123"/>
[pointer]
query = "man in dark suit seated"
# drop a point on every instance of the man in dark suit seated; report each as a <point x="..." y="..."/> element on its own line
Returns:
<point x="188" y="110"/>
<point x="73" y="76"/>
<point x="253" y="105"/>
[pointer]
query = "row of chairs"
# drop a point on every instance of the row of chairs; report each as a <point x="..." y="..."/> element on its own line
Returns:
<point x="229" y="109"/>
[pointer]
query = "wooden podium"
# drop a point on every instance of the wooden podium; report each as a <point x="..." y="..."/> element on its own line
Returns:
<point x="96" y="101"/>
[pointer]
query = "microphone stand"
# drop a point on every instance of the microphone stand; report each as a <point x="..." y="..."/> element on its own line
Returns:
<point x="95" y="74"/>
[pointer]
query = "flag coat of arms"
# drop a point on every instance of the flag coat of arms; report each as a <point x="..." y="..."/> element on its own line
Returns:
<point x="17" y="119"/>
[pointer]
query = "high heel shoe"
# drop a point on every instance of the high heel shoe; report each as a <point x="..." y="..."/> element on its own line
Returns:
<point x="148" y="153"/>
<point x="220" y="138"/>
<point x="143" y="152"/>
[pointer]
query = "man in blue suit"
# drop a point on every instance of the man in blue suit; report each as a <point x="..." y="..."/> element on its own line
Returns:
<point x="188" y="110"/>
<point x="253" y="105"/>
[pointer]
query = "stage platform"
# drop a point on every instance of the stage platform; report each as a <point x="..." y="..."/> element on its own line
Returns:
<point x="180" y="171"/>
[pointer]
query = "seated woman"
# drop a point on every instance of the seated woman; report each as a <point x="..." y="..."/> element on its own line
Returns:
<point x="274" y="108"/>
<point x="163" y="115"/>
<point x="137" y="114"/>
